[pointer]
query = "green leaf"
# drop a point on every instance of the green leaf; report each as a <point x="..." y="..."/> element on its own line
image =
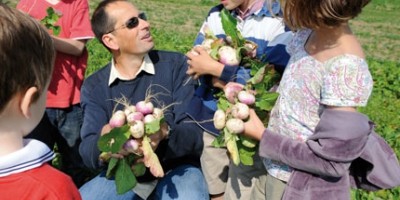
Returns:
<point x="271" y="78"/>
<point x="139" y="169"/>
<point x="50" y="11"/>
<point x="50" y="20"/>
<point x="267" y="100"/>
<point x="214" y="53"/>
<point x="223" y="103"/>
<point x="229" y="25"/>
<point x="258" y="76"/>
<point x="112" y="166"/>
<point x="125" y="180"/>
<point x="56" y="30"/>
<point x="248" y="142"/>
<point x="246" y="155"/>
<point x="260" y="89"/>
<point x="219" y="141"/>
<point x="114" y="140"/>
<point x="153" y="127"/>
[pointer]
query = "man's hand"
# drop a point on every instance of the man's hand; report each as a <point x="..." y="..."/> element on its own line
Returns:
<point x="106" y="129"/>
<point x="156" y="138"/>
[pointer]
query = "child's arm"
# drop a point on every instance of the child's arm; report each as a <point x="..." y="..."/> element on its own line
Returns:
<point x="69" y="46"/>
<point x="338" y="140"/>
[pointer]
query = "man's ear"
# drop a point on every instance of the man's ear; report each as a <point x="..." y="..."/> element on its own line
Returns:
<point x="110" y="41"/>
<point x="27" y="100"/>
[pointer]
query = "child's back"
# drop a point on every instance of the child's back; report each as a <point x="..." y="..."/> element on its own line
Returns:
<point x="327" y="69"/>
<point x="43" y="182"/>
<point x="27" y="64"/>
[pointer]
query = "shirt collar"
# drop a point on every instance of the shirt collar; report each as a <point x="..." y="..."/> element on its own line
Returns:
<point x="261" y="8"/>
<point x="257" y="5"/>
<point x="147" y="66"/>
<point x="275" y="8"/>
<point x="32" y="155"/>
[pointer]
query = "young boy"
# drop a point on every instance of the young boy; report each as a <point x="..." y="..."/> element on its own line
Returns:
<point x="27" y="56"/>
<point x="260" y="22"/>
<point x="62" y="120"/>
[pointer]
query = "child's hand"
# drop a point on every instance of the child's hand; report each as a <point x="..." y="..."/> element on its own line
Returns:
<point x="253" y="127"/>
<point x="216" y="82"/>
<point x="201" y="63"/>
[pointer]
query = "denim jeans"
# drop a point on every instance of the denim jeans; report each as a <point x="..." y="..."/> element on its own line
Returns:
<point x="62" y="127"/>
<point x="184" y="182"/>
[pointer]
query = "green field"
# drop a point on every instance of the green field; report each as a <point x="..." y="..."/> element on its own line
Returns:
<point x="175" y="24"/>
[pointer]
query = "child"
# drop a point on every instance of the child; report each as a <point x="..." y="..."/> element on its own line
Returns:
<point x="315" y="132"/>
<point x="258" y="21"/>
<point x="63" y="117"/>
<point x="26" y="65"/>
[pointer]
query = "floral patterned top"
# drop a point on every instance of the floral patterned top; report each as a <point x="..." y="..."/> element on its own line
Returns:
<point x="307" y="87"/>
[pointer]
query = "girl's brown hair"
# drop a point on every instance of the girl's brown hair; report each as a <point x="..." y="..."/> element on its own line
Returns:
<point x="313" y="14"/>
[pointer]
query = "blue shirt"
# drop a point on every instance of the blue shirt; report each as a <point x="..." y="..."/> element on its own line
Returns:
<point x="261" y="27"/>
<point x="170" y="82"/>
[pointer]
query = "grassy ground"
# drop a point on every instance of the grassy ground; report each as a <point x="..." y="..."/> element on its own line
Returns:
<point x="378" y="29"/>
<point x="175" y="24"/>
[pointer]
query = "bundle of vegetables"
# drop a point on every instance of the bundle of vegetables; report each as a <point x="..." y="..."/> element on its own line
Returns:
<point x="129" y="136"/>
<point x="50" y="20"/>
<point x="236" y="99"/>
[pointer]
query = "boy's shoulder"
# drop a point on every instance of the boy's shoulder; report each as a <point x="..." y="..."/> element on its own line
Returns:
<point x="44" y="182"/>
<point x="54" y="181"/>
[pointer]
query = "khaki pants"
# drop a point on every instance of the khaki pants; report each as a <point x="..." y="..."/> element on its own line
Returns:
<point x="215" y="165"/>
<point x="222" y="176"/>
<point x="268" y="188"/>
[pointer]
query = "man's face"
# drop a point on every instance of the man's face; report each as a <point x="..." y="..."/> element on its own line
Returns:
<point x="232" y="4"/>
<point x="131" y="37"/>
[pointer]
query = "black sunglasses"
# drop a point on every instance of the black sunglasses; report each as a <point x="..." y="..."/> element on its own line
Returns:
<point x="131" y="23"/>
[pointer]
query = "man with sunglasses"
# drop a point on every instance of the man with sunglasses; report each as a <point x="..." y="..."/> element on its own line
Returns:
<point x="134" y="70"/>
